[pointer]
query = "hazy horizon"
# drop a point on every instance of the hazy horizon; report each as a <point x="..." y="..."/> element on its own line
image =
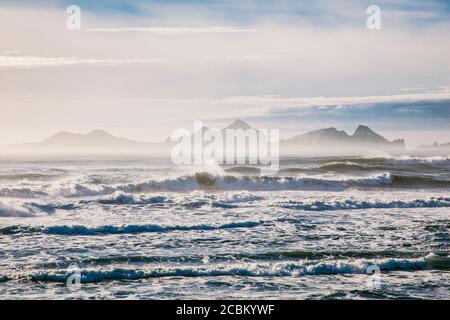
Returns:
<point x="409" y="143"/>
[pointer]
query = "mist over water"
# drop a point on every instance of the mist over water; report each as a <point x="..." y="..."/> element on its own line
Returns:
<point x="144" y="228"/>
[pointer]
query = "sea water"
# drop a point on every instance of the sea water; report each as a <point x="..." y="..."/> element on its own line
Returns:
<point x="146" y="229"/>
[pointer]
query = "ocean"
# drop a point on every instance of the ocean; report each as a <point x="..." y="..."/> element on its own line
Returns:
<point x="320" y="228"/>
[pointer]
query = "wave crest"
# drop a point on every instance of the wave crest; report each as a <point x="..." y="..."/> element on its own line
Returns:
<point x="79" y="230"/>
<point x="438" y="202"/>
<point x="278" y="269"/>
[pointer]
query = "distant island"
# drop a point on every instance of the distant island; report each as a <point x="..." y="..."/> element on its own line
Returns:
<point x="339" y="142"/>
<point x="434" y="149"/>
<point x="322" y="141"/>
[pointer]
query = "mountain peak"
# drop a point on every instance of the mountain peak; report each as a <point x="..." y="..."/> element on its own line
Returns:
<point x="363" y="130"/>
<point x="333" y="139"/>
<point x="239" y="124"/>
<point x="328" y="132"/>
<point x="331" y="129"/>
<point x="98" y="133"/>
<point x="367" y="135"/>
<point x="61" y="136"/>
<point x="62" y="133"/>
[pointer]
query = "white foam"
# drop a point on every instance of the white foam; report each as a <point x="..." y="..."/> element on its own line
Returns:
<point x="120" y="197"/>
<point x="376" y="154"/>
<point x="352" y="204"/>
<point x="252" y="269"/>
<point x="202" y="181"/>
<point x="418" y="160"/>
<point x="15" y="209"/>
<point x="130" y="229"/>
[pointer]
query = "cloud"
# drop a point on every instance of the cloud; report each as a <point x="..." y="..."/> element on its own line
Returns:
<point x="434" y="106"/>
<point x="298" y="61"/>
<point x="25" y="62"/>
<point x="175" y="30"/>
<point x="390" y="115"/>
<point x="253" y="58"/>
<point x="269" y="104"/>
<point x="413" y="89"/>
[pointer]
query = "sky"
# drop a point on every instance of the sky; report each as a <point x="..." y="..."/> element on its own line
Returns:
<point x="141" y="69"/>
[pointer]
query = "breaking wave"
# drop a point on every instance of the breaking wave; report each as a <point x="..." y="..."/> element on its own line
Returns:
<point x="218" y="200"/>
<point x="79" y="230"/>
<point x="31" y="209"/>
<point x="206" y="181"/>
<point x="21" y="192"/>
<point x="209" y="182"/>
<point x="195" y="199"/>
<point x="418" y="160"/>
<point x="251" y="269"/>
<point x="241" y="256"/>
<point x="347" y="166"/>
<point x="437" y="202"/>
<point x="131" y="199"/>
<point x="14" y="209"/>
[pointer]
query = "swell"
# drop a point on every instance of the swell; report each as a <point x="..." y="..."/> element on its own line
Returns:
<point x="224" y="201"/>
<point x="419" y="181"/>
<point x="370" y="160"/>
<point x="79" y="230"/>
<point x="434" y="202"/>
<point x="271" y="183"/>
<point x="244" y="170"/>
<point x="249" y="200"/>
<point x="203" y="181"/>
<point x="419" y="160"/>
<point x="405" y="163"/>
<point x="406" y="160"/>
<point x="26" y="176"/>
<point x="338" y="166"/>
<point x="130" y="199"/>
<point x="243" y="256"/>
<point x="208" y="182"/>
<point x="243" y="269"/>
